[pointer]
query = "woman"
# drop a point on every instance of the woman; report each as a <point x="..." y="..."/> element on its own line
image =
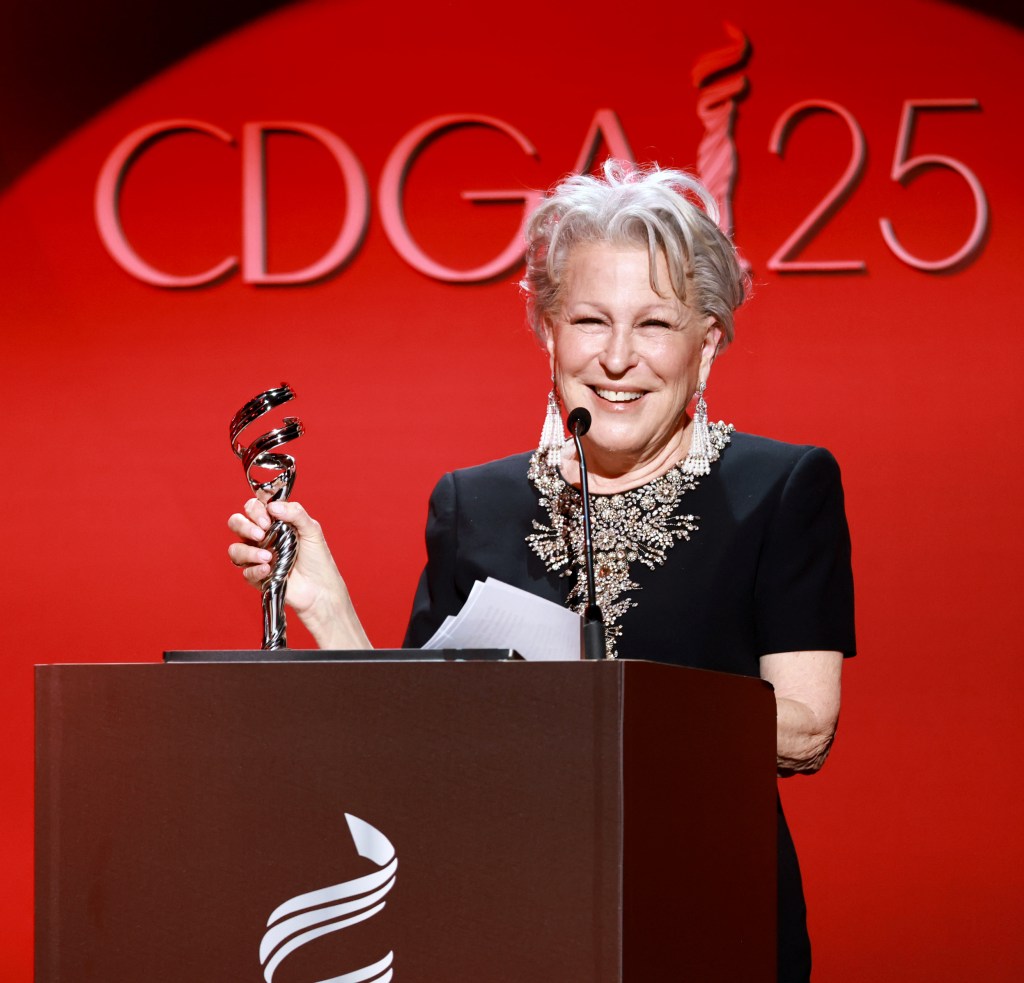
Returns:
<point x="714" y="549"/>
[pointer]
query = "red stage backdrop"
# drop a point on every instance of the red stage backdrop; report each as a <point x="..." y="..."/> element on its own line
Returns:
<point x="331" y="196"/>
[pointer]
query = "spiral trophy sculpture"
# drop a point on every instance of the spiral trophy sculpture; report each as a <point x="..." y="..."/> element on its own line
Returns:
<point x="280" y="538"/>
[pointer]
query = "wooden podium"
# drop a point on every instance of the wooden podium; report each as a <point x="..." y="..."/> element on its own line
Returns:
<point x="581" y="822"/>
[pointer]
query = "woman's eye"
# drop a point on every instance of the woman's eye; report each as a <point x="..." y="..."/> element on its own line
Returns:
<point x="654" y="323"/>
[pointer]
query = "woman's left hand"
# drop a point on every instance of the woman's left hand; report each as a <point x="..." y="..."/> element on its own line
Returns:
<point x="807" y="691"/>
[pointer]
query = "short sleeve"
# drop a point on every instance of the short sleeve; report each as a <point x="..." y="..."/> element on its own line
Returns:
<point x="804" y="588"/>
<point x="436" y="594"/>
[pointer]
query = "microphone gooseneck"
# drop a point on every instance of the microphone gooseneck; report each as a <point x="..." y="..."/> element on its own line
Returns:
<point x="593" y="621"/>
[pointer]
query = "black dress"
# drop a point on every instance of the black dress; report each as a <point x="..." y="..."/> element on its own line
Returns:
<point x="767" y="569"/>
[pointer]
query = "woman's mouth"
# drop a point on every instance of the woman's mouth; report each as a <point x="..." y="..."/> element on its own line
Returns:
<point x="617" y="395"/>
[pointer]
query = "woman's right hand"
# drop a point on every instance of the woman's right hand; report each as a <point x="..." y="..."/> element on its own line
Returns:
<point x="316" y="590"/>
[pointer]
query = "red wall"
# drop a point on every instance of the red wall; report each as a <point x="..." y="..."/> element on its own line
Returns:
<point x="120" y="477"/>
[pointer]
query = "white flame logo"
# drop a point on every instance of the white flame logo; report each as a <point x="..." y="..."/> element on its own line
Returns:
<point x="330" y="909"/>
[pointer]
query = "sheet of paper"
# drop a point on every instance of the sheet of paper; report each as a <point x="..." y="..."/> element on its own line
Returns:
<point x="497" y="615"/>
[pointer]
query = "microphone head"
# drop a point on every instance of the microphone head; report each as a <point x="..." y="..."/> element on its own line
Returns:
<point x="579" y="421"/>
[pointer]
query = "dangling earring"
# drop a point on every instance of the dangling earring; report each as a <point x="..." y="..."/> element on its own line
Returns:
<point x="553" y="435"/>
<point x="698" y="461"/>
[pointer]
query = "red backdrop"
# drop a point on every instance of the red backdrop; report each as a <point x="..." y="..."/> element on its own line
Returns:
<point x="121" y="476"/>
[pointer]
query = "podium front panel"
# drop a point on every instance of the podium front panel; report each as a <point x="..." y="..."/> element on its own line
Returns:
<point x="179" y="807"/>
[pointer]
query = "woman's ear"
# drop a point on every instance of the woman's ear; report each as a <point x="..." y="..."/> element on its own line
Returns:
<point x="713" y="336"/>
<point x="549" y="343"/>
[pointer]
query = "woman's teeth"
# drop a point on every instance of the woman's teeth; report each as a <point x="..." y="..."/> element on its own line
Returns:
<point x="615" y="396"/>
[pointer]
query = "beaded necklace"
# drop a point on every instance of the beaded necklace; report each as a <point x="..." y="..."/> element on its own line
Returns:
<point x="636" y="526"/>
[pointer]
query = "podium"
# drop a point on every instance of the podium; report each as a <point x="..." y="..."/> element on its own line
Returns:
<point x="590" y="822"/>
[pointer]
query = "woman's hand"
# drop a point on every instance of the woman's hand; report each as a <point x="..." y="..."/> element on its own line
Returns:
<point x="807" y="690"/>
<point x="316" y="590"/>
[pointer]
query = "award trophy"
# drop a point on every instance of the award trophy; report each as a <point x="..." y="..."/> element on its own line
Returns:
<point x="280" y="538"/>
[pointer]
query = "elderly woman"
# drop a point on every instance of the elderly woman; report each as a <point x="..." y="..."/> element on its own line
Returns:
<point x="714" y="549"/>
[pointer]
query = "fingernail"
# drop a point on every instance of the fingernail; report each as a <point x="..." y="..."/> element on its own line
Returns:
<point x="275" y="508"/>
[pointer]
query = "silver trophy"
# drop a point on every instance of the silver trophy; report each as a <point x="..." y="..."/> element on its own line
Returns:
<point x="280" y="538"/>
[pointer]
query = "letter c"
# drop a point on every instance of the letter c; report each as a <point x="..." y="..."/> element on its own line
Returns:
<point x="107" y="203"/>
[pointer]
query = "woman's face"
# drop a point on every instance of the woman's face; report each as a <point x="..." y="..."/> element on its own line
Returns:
<point x="629" y="355"/>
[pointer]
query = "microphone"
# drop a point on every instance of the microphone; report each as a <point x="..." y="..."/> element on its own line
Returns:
<point x="593" y="622"/>
<point x="579" y="421"/>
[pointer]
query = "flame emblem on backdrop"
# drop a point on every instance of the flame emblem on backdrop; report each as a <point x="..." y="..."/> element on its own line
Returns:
<point x="717" y="77"/>
<point x="331" y="909"/>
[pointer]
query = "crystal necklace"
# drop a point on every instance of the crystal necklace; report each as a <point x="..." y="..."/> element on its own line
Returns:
<point x="636" y="526"/>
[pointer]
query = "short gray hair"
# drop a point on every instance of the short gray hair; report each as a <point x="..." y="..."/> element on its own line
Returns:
<point x="665" y="210"/>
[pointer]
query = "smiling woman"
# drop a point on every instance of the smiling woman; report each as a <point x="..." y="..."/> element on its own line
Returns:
<point x="713" y="549"/>
<point x="631" y="287"/>
<point x="633" y="357"/>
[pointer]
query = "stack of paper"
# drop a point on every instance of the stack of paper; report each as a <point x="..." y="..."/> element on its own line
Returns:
<point x="497" y="615"/>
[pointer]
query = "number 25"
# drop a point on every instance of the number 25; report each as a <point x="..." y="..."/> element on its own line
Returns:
<point x="904" y="170"/>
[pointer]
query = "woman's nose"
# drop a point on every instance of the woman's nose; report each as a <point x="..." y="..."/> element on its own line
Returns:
<point x="620" y="353"/>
